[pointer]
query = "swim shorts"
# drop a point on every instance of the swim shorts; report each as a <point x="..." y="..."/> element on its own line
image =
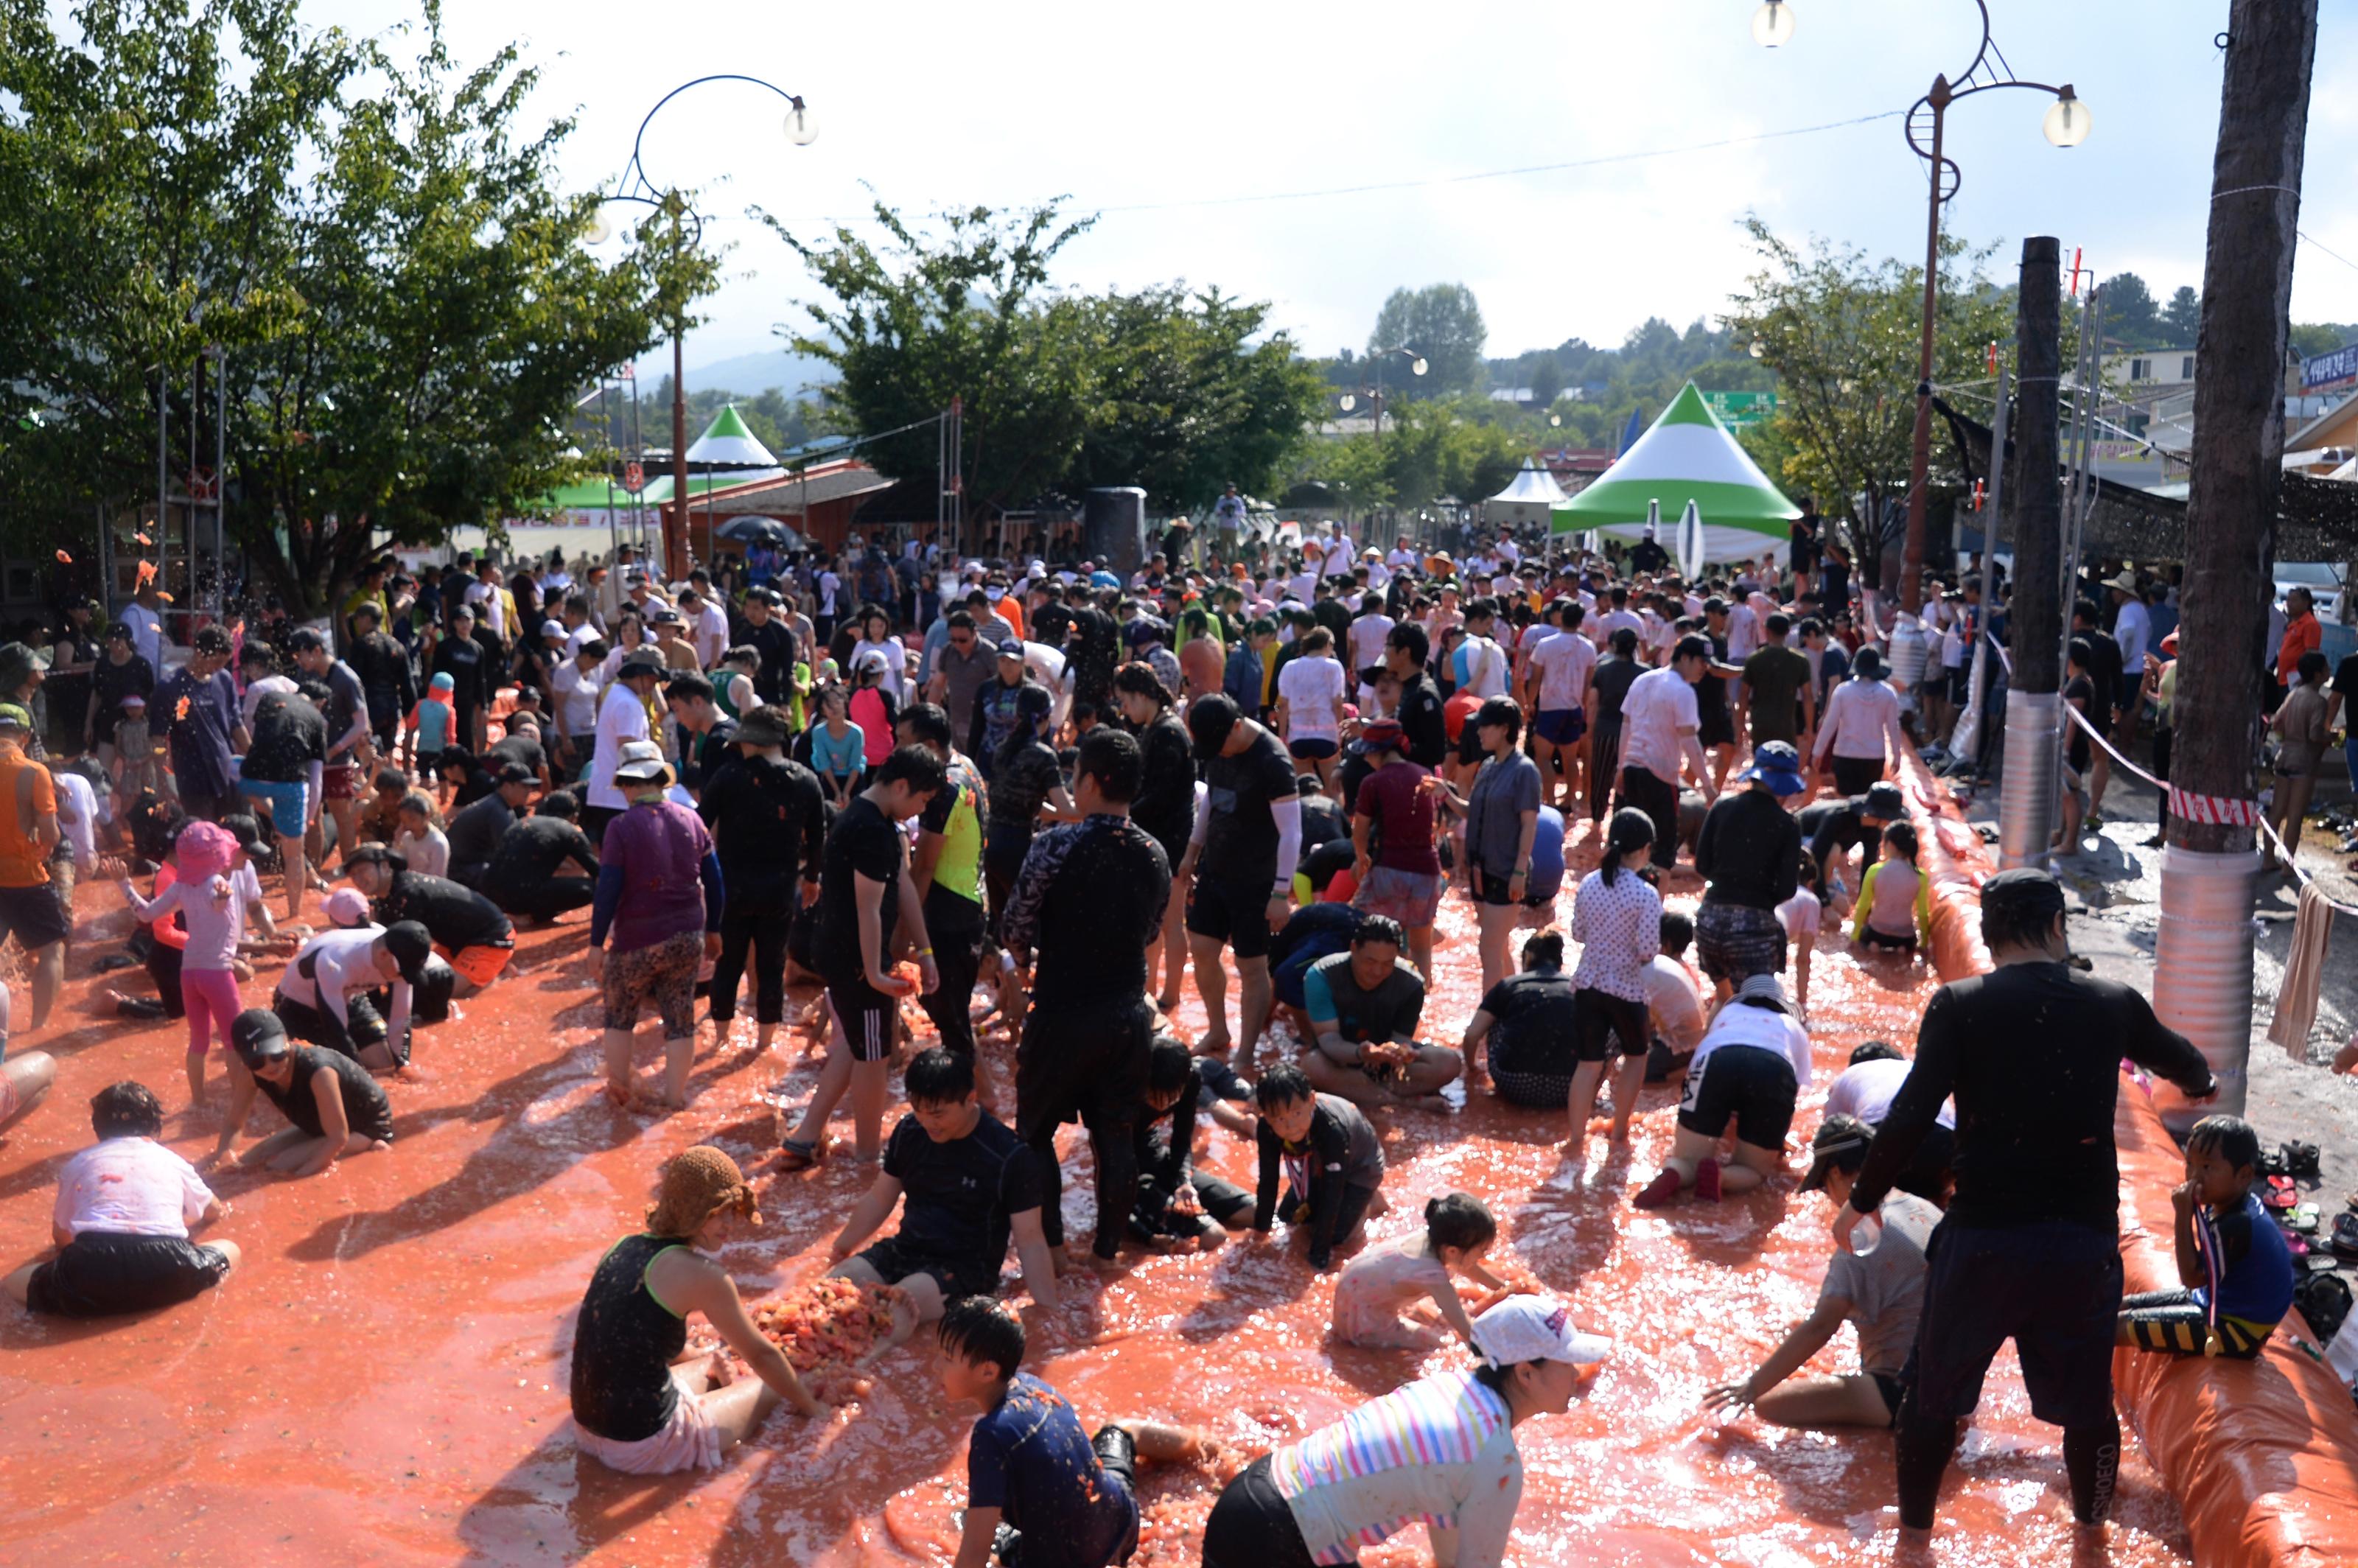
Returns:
<point x="895" y="1259"/>
<point x="290" y="804"/>
<point x="33" y="915"/>
<point x="664" y="974"/>
<point x="1312" y="748"/>
<point x="2053" y="1288"/>
<point x="479" y="965"/>
<point x="1756" y="1087"/>
<point x="341" y="780"/>
<point x="865" y="1015"/>
<point x="1236" y="913"/>
<point x="1560" y="725"/>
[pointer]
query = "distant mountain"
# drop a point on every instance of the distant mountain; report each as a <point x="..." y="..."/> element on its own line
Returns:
<point x="750" y="374"/>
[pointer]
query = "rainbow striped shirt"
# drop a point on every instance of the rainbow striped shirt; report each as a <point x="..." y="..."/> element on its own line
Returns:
<point x="1439" y="1451"/>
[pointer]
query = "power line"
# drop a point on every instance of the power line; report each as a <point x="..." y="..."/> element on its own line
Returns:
<point x="2337" y="255"/>
<point x="1499" y="173"/>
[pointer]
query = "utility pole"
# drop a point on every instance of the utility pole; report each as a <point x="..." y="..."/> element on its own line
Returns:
<point x="2203" y="959"/>
<point x="2027" y="792"/>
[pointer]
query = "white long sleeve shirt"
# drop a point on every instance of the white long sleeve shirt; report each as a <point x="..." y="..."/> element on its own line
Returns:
<point x="1861" y="716"/>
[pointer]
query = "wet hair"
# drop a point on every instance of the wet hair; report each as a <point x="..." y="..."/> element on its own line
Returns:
<point x="1112" y="759"/>
<point x="1502" y="711"/>
<point x="1875" y="1051"/>
<point x="2019" y="914"/>
<point x="1281" y="1085"/>
<point x="1625" y="639"/>
<point x="1630" y="829"/>
<point x="926" y="721"/>
<point x="1690" y="647"/>
<point x="256" y="654"/>
<point x="2312" y="666"/>
<point x="1677" y="934"/>
<point x="1084" y="715"/>
<point x="1168" y="1061"/>
<point x="129" y="1110"/>
<point x="1378" y="928"/>
<point x="686" y="687"/>
<point x="1543" y="950"/>
<point x="2231" y="1138"/>
<point x="916" y="767"/>
<point x="936" y="1077"/>
<point x="743" y="653"/>
<point x="559" y="803"/>
<point x="978" y="1329"/>
<point x="1779" y="623"/>
<point x="1901" y="836"/>
<point x="1138" y="679"/>
<point x="1459" y="1220"/>
<point x="1409" y="639"/>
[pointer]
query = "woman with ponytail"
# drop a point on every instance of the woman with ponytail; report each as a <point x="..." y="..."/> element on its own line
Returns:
<point x="1617" y="919"/>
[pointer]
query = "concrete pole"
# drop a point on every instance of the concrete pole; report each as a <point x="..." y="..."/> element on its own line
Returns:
<point x="2203" y="959"/>
<point x="2026" y="791"/>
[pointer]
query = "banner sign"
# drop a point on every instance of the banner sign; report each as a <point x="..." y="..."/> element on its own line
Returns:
<point x="2338" y="368"/>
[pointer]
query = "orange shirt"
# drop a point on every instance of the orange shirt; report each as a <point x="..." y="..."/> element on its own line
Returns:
<point x="1010" y="609"/>
<point x="22" y="861"/>
<point x="2300" y="636"/>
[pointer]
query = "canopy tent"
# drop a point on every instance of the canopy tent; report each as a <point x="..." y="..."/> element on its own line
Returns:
<point x="1533" y="486"/>
<point x="726" y="444"/>
<point x="1687" y="459"/>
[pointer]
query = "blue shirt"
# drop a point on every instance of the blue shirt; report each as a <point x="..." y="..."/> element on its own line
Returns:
<point x="200" y="735"/>
<point x="831" y="758"/>
<point x="2256" y="1282"/>
<point x="1030" y="1459"/>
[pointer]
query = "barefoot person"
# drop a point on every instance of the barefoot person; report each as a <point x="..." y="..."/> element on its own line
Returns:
<point x="336" y="1107"/>
<point x="1617" y="918"/>
<point x="970" y="1184"/>
<point x="1440" y="1451"/>
<point x="659" y="898"/>
<point x="1880" y="1294"/>
<point x="640" y="1404"/>
<point x="1245" y="848"/>
<point x="1363" y="1007"/>
<point x="1748" y="1071"/>
<point x="30" y="908"/>
<point x="122" y="1219"/>
<point x="1419" y="1271"/>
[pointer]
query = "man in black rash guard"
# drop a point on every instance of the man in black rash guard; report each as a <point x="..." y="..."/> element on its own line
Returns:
<point x="468" y="929"/>
<point x="1088" y="900"/>
<point x="524" y="879"/>
<point x="1093" y="643"/>
<point x="1246" y="845"/>
<point x="475" y="832"/>
<point x="1831" y="829"/>
<point x="1420" y="715"/>
<point x="768" y="818"/>
<point x="2030" y="1248"/>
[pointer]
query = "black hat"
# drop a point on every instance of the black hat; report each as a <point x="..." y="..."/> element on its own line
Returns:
<point x="516" y="773"/>
<point x="1840" y="1145"/>
<point x="306" y="640"/>
<point x="1210" y="720"/>
<point x="410" y="945"/>
<point x="1885" y="801"/>
<point x="258" y="1036"/>
<point x="2024" y="891"/>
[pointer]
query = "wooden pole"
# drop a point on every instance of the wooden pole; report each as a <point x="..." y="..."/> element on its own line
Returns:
<point x="2239" y="408"/>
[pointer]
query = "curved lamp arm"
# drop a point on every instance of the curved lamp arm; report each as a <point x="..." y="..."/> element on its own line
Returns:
<point x="636" y="169"/>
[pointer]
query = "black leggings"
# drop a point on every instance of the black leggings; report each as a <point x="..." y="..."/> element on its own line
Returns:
<point x="1658" y="798"/>
<point x="1251" y="1527"/>
<point x="545" y="899"/>
<point x="958" y="955"/>
<point x="764" y="933"/>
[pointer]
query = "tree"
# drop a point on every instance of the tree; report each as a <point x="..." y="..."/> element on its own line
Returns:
<point x="2310" y="338"/>
<point x="1444" y="324"/>
<point x="1841" y="334"/>
<point x="2182" y="319"/>
<point x="400" y="295"/>
<point x="2130" y="314"/>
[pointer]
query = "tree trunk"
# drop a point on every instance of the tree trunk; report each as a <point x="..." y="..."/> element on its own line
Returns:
<point x="2239" y="408"/>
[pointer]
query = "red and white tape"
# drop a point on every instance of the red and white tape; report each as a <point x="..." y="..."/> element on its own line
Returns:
<point x="2213" y="808"/>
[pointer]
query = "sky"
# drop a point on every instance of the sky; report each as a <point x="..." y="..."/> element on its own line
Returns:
<point x="1200" y="134"/>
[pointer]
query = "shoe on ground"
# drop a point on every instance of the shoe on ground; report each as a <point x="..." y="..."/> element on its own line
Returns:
<point x="1661" y="1193"/>
<point x="1708" y="1187"/>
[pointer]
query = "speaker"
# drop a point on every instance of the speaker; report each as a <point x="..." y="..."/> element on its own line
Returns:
<point x="1113" y="528"/>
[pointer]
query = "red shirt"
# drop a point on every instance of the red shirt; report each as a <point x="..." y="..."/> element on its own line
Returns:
<point x="1395" y="796"/>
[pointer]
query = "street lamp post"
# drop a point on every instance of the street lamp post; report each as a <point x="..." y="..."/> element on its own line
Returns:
<point x="1417" y="365"/>
<point x="637" y="188"/>
<point x="2066" y="126"/>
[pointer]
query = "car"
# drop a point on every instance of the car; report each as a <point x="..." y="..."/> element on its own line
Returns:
<point x="2323" y="580"/>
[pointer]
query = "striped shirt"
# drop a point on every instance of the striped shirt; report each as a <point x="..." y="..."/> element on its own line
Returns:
<point x="1439" y="1451"/>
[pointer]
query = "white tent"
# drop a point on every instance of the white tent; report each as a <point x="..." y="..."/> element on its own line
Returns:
<point x="1531" y="498"/>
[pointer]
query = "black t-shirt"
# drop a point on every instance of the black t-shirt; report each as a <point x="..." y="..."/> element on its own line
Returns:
<point x="1835" y="827"/>
<point x="1019" y="785"/>
<point x="863" y="842"/>
<point x="2105" y="670"/>
<point x="366" y="1110"/>
<point x="1535" y="1023"/>
<point x="1750" y="851"/>
<point x="774" y="640"/>
<point x="769" y="828"/>
<point x="1648" y="556"/>
<point x="1614" y="676"/>
<point x="522" y="749"/>
<point x="1806" y="542"/>
<point x="461" y="658"/>
<point x="1165" y="806"/>
<point x="112" y="681"/>
<point x="959" y="1196"/>
<point x="1090" y="897"/>
<point x="453" y="915"/>
<point x="347" y="700"/>
<point x="2345" y="685"/>
<point x="534" y="848"/>
<point x="289" y="734"/>
<point x="476" y="831"/>
<point x="2084" y="689"/>
<point x="2032" y="1054"/>
<point x="1423" y="724"/>
<point x="1240" y="836"/>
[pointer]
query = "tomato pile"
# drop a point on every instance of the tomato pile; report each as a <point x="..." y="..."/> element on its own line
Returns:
<point x="827" y="1328"/>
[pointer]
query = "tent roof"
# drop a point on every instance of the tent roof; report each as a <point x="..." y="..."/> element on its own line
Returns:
<point x="1688" y="455"/>
<point x="727" y="443"/>
<point x="1533" y="486"/>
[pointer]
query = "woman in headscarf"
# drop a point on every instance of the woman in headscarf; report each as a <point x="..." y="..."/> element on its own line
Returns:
<point x="639" y="1405"/>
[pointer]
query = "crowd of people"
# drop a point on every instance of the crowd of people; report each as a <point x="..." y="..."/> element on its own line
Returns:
<point x="1025" y="802"/>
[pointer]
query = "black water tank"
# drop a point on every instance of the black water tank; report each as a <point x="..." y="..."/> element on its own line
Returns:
<point x="1113" y="528"/>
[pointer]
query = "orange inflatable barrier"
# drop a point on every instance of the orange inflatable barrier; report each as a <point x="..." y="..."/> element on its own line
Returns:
<point x="2262" y="1456"/>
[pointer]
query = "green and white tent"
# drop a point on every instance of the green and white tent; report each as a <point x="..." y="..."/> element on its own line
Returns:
<point x="1687" y="459"/>
<point x="726" y="444"/>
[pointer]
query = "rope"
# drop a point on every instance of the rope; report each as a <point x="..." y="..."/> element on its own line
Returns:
<point x="2247" y="190"/>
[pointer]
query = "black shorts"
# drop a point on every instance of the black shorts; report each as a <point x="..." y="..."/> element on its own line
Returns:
<point x="34" y="916"/>
<point x="1252" y="1526"/>
<point x="1893" y="1390"/>
<point x="1609" y="1025"/>
<point x="1312" y="748"/>
<point x="1083" y="1063"/>
<point x="1870" y="937"/>
<point x="1236" y="913"/>
<point x="895" y="1259"/>
<point x="105" y="1274"/>
<point x="867" y="1016"/>
<point x="1853" y="774"/>
<point x="2053" y="1288"/>
<point x="1715" y="727"/>
<point x="1647" y="791"/>
<point x="1294" y="1208"/>
<point x="1757" y="1088"/>
<point x="1222" y="1203"/>
<point x="1533" y="1091"/>
<point x="1493" y="889"/>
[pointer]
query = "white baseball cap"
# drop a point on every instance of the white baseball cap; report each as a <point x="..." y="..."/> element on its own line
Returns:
<point x="1535" y="1328"/>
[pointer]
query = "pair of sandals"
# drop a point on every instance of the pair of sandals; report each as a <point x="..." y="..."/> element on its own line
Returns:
<point x="2290" y="1159"/>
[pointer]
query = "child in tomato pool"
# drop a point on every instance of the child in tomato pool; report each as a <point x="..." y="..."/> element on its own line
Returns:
<point x="1039" y="1493"/>
<point x="1329" y="1156"/>
<point x="1379" y="1284"/>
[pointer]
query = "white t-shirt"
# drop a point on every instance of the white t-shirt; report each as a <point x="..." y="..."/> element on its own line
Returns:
<point x="576" y="698"/>
<point x="1044" y="664"/>
<point x="711" y="634"/>
<point x="130" y="1187"/>
<point x="2132" y="631"/>
<point x="1612" y="620"/>
<point x="1368" y="634"/>
<point x="77" y="799"/>
<point x="1400" y="559"/>
<point x="1565" y="662"/>
<point x="1485" y="667"/>
<point x="1743" y="633"/>
<point x="1313" y="689"/>
<point x="622" y="717"/>
<point x="1868" y="1089"/>
<point x="829" y="586"/>
<point x="1670" y="997"/>
<point x="1766" y="1028"/>
<point x="895" y="663"/>
<point x="1860" y="716"/>
<point x="268" y="686"/>
<point x="1660" y="704"/>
